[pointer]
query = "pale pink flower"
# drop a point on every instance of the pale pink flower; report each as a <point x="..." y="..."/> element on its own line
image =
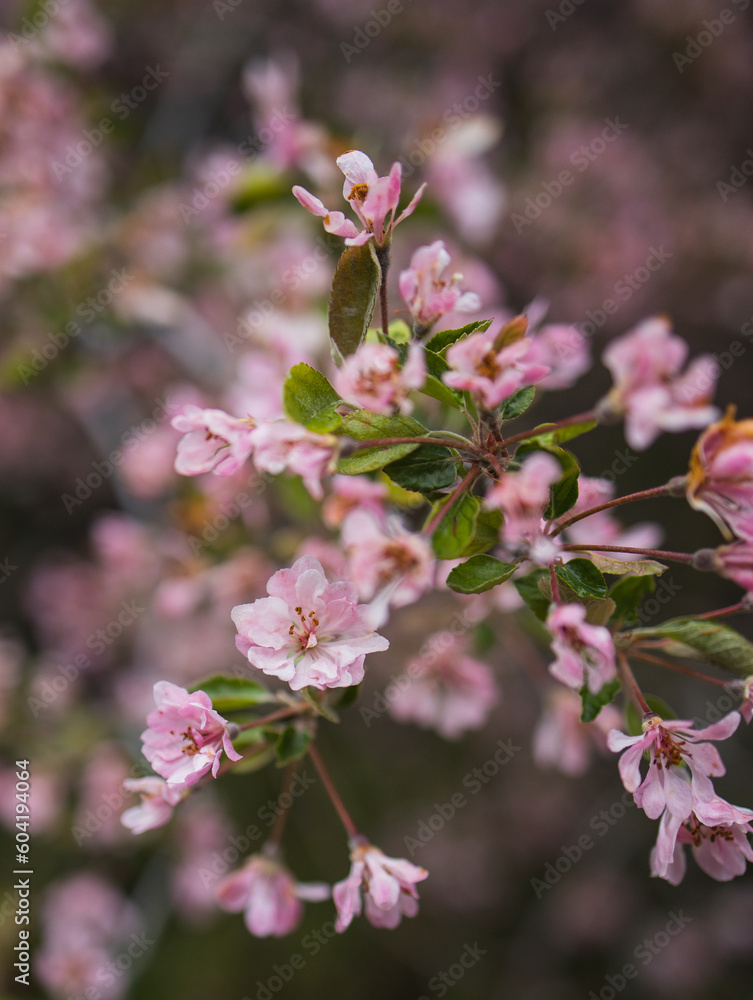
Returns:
<point x="492" y="375"/>
<point x="387" y="885"/>
<point x="721" y="476"/>
<point x="562" y="741"/>
<point x="444" y="689"/>
<point x="351" y="492"/>
<point x="718" y="836"/>
<point x="746" y="709"/>
<point x="650" y="391"/>
<point x="374" y="199"/>
<point x="186" y="737"/>
<point x="269" y="896"/>
<point x="523" y="497"/>
<point x="213" y="441"/>
<point x="672" y="744"/>
<point x="373" y="379"/>
<point x="308" y="632"/>
<point x="736" y="563"/>
<point x="564" y="350"/>
<point x="156" y="806"/>
<point x="386" y="555"/>
<point x="428" y="295"/>
<point x="585" y="653"/>
<point x="282" y="446"/>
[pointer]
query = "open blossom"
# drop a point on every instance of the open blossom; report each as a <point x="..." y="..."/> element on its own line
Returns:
<point x="493" y="375"/>
<point x="523" y="497"/>
<point x="648" y="388"/>
<point x="585" y="653"/>
<point x="373" y="379"/>
<point x="721" y="476"/>
<point x="444" y="689"/>
<point x="385" y="554"/>
<point x="213" y="441"/>
<point x="308" y="632"/>
<point x="387" y="885"/>
<point x="350" y="492"/>
<point x="564" y="350"/>
<point x="282" y="446"/>
<point x="374" y="199"/>
<point x="562" y="740"/>
<point x="269" y="896"/>
<point x="186" y="737"/>
<point x="672" y="744"/>
<point x="428" y="295"/>
<point x="156" y="806"/>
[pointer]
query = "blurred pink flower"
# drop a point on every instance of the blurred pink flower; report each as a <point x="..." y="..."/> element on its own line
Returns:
<point x="585" y="653"/>
<point x="721" y="476"/>
<point x="373" y="379"/>
<point x="564" y="350"/>
<point x="736" y="563"/>
<point x="428" y="295"/>
<point x="387" y="884"/>
<point x="156" y="806"/>
<point x="350" y="492"/>
<point x="561" y="740"/>
<point x="492" y="375"/>
<point x="308" y="632"/>
<point x="282" y="446"/>
<point x="186" y="737"/>
<point x="269" y="896"/>
<point x="650" y="391"/>
<point x="523" y="497"/>
<point x="213" y="441"/>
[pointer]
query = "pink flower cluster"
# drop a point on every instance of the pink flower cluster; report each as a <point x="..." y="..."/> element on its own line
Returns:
<point x="490" y="373"/>
<point x="428" y="295"/>
<point x="386" y="886"/>
<point x="585" y="653"/>
<point x="373" y="379"/>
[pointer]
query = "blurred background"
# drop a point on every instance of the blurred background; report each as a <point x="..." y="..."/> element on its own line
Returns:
<point x="592" y="157"/>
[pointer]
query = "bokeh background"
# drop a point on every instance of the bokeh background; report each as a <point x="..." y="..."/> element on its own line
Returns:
<point x="151" y="254"/>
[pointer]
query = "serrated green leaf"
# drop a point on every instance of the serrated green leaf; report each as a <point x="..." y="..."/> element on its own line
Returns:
<point x="708" y="641"/>
<point x="478" y="574"/>
<point x="355" y="289"/>
<point x="363" y="425"/>
<point x="592" y="704"/>
<point x="628" y="595"/>
<point x="547" y="438"/>
<point x="517" y="404"/>
<point x="583" y="578"/>
<point x="430" y="467"/>
<point x="531" y="593"/>
<point x="486" y="536"/>
<point x="456" y="529"/>
<point x="309" y="399"/>
<point x="232" y="694"/>
<point x="444" y="338"/>
<point x="443" y="393"/>
<point x="627" y="567"/>
<point x="634" y="721"/>
<point x="291" y="745"/>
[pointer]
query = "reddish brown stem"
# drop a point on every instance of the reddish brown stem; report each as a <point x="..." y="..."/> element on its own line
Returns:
<point x="683" y="557"/>
<point x="579" y="418"/>
<point x="337" y="802"/>
<point x="630" y="685"/>
<point x="437" y="516"/>
<point x="655" y="491"/>
<point x="283" y="713"/>
<point x="648" y="658"/>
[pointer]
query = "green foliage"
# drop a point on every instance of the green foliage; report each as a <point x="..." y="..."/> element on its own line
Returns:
<point x="363" y="425"/>
<point x="309" y="399"/>
<point x="532" y="594"/>
<point x="628" y="594"/>
<point x="456" y="529"/>
<point x="430" y="467"/>
<point x="355" y="289"/>
<point x="582" y="577"/>
<point x="292" y="744"/>
<point x="444" y="338"/>
<point x="593" y="703"/>
<point x="517" y="404"/>
<point x="231" y="694"/>
<point x="709" y="641"/>
<point x="478" y="574"/>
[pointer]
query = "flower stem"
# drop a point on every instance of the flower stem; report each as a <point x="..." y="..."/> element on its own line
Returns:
<point x="384" y="257"/>
<point x="278" y="828"/>
<point x="667" y="490"/>
<point x="630" y="685"/>
<point x="683" y="557"/>
<point x="732" y="609"/>
<point x="283" y="713"/>
<point x="437" y="516"/>
<point x="337" y="802"/>
<point x="579" y="418"/>
<point x="648" y="658"/>
<point x="555" y="583"/>
<point x="456" y="443"/>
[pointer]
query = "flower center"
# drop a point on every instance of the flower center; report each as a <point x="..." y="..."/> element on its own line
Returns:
<point x="305" y="628"/>
<point x="488" y="366"/>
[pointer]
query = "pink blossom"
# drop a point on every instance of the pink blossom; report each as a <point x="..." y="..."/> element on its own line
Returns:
<point x="269" y="896"/>
<point x="720" y="844"/>
<point x="562" y="741"/>
<point x="444" y="689"/>
<point x="736" y="563"/>
<point x="721" y="476"/>
<point x="156" y="806"/>
<point x="585" y="653"/>
<point x="308" y="632"/>
<point x="282" y="446"/>
<point x="388" y="885"/>
<point x="523" y="497"/>
<point x="213" y="441"/>
<point x="387" y="555"/>
<point x="492" y="374"/>
<point x="428" y="295"/>
<point x="373" y="379"/>
<point x="650" y="391"/>
<point x="186" y="737"/>
<point x="350" y="492"/>
<point x="374" y="199"/>
<point x="564" y="350"/>
<point x="665" y="785"/>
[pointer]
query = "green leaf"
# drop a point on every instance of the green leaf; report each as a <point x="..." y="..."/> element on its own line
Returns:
<point x="438" y="390"/>
<point x="355" y="289"/>
<point x="430" y="467"/>
<point x="444" y="338"/>
<point x="456" y="529"/>
<point x="488" y="524"/>
<point x="348" y="697"/>
<point x="627" y="567"/>
<point x="593" y="703"/>
<point x="529" y="590"/>
<point x="562" y="434"/>
<point x="518" y="403"/>
<point x="364" y="425"/>
<point x="634" y="721"/>
<point x="292" y="744"/>
<point x="564" y="495"/>
<point x="628" y="595"/>
<point x="707" y="641"/>
<point x="231" y="694"/>
<point x="582" y="577"/>
<point x="478" y="574"/>
<point x="309" y="399"/>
